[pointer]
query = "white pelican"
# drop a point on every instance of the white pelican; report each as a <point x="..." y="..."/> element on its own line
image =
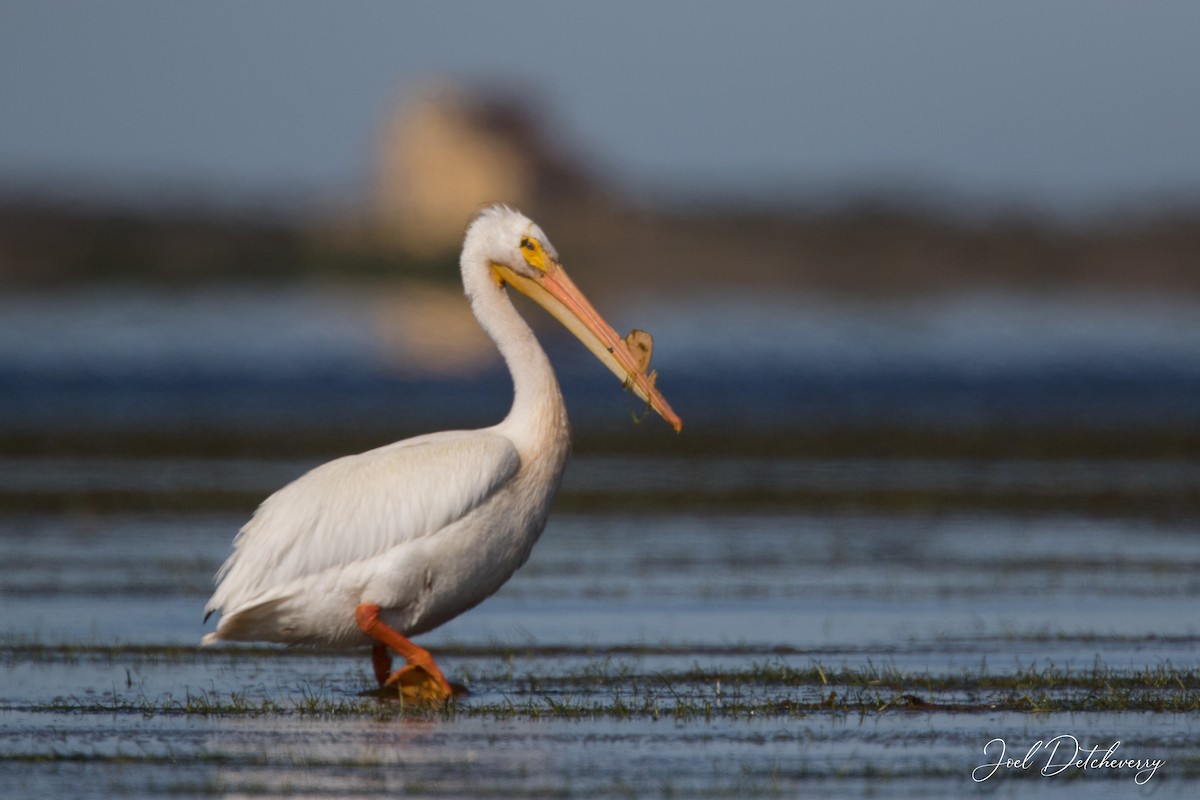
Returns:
<point x="384" y="545"/>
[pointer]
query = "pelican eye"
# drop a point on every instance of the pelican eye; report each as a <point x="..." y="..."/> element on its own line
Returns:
<point x="533" y="253"/>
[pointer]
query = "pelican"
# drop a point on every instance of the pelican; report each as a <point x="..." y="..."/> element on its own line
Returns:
<point x="372" y="549"/>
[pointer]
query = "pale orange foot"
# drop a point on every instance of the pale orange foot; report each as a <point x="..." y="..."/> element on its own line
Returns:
<point x="421" y="683"/>
<point x="419" y="680"/>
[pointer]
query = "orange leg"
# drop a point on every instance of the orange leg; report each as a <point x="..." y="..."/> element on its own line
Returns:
<point x="381" y="660"/>
<point x="420" y="678"/>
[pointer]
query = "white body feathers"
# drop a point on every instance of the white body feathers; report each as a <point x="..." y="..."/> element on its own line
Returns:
<point x="425" y="528"/>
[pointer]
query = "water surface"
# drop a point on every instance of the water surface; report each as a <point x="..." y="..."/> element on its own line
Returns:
<point x="597" y="670"/>
<point x="729" y="620"/>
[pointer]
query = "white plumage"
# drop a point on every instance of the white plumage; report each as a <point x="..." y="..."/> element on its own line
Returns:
<point x="376" y="547"/>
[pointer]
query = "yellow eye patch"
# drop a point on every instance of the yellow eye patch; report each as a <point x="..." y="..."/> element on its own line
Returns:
<point x="534" y="254"/>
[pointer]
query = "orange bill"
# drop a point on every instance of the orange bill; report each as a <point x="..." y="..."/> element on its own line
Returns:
<point x="554" y="291"/>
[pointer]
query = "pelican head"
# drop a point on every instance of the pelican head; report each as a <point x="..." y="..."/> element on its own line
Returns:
<point x="518" y="253"/>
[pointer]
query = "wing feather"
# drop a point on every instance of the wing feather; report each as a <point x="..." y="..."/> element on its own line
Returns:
<point x="360" y="506"/>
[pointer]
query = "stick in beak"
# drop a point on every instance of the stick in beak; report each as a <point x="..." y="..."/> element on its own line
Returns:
<point x="628" y="358"/>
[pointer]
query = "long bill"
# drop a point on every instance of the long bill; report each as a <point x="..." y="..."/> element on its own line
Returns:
<point x="555" y="292"/>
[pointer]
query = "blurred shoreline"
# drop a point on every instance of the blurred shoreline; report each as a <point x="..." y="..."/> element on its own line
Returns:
<point x="881" y="324"/>
<point x="869" y="248"/>
<point x="869" y="331"/>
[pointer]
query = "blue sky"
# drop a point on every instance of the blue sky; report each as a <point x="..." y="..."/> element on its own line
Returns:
<point x="1063" y="105"/>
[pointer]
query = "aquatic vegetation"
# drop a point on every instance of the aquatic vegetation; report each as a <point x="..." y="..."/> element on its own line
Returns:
<point x="577" y="683"/>
<point x="793" y="626"/>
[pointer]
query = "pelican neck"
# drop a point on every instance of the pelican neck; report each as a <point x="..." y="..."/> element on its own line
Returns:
<point x="538" y="416"/>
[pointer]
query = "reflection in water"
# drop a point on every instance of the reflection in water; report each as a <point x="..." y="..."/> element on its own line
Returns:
<point x="306" y="358"/>
<point x="803" y="579"/>
<point x="611" y="603"/>
<point x="652" y="567"/>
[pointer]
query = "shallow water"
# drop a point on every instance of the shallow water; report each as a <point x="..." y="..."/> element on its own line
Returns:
<point x="692" y="623"/>
<point x="295" y="357"/>
<point x="597" y="671"/>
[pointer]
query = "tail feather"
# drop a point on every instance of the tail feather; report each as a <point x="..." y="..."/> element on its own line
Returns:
<point x="259" y="622"/>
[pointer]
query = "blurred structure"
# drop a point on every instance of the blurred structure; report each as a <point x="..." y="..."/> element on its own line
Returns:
<point x="449" y="151"/>
<point x="425" y="329"/>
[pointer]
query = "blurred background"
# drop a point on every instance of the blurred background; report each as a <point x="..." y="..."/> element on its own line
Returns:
<point x="924" y="282"/>
<point x="854" y="228"/>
